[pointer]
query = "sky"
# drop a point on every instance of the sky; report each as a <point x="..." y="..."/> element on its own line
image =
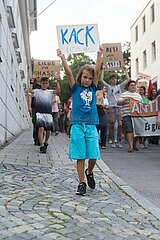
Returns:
<point x="113" y="17"/>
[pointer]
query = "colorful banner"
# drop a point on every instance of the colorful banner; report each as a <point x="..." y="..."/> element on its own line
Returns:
<point x="46" y="68"/>
<point x="78" y="38"/>
<point x="113" y="56"/>
<point x="144" y="118"/>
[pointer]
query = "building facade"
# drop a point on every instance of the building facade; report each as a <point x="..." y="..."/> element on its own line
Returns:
<point x="17" y="20"/>
<point x="145" y="42"/>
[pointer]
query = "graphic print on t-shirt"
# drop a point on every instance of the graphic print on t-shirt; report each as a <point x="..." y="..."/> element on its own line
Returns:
<point x="86" y="95"/>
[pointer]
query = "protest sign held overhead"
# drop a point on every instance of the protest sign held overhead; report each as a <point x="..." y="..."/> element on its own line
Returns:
<point x="46" y="68"/>
<point x="78" y="38"/>
<point x="113" y="56"/>
<point x="144" y="80"/>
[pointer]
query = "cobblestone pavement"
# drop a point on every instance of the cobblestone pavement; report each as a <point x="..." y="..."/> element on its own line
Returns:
<point x="38" y="200"/>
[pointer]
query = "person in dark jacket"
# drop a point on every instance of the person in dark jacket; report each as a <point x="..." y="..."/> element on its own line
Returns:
<point x="34" y="84"/>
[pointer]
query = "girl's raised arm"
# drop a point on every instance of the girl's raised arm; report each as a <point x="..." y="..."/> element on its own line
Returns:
<point x="66" y="68"/>
<point x="98" y="64"/>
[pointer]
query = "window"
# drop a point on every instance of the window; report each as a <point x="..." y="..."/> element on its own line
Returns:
<point x="10" y="17"/>
<point x="152" y="13"/>
<point x="1" y="38"/>
<point x="144" y="23"/>
<point x="136" y="33"/>
<point x="12" y="75"/>
<point x="153" y="51"/>
<point x="0" y="29"/>
<point x="144" y="59"/>
<point x="137" y="65"/>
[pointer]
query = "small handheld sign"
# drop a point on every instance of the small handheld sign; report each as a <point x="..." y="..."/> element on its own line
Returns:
<point x="113" y="56"/>
<point x="46" y="68"/>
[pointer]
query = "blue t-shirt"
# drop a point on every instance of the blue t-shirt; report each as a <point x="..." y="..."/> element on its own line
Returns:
<point x="84" y="110"/>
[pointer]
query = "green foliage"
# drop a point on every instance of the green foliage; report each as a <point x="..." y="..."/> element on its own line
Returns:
<point x="127" y="56"/>
<point x="100" y="85"/>
<point x="65" y="90"/>
<point x="127" y="53"/>
<point x="52" y="83"/>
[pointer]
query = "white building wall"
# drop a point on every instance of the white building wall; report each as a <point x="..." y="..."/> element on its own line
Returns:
<point x="14" y="116"/>
<point x="145" y="40"/>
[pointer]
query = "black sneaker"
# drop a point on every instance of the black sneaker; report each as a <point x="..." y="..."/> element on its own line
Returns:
<point x="81" y="190"/>
<point x="36" y="143"/>
<point x="43" y="149"/>
<point x="90" y="179"/>
<point x="46" y="145"/>
<point x="56" y="133"/>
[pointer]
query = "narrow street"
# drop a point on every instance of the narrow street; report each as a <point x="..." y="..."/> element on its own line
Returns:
<point x="139" y="170"/>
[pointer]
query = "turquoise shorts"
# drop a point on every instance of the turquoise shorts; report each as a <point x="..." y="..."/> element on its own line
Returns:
<point x="84" y="142"/>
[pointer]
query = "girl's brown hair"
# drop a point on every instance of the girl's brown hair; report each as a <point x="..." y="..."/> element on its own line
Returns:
<point x="85" y="67"/>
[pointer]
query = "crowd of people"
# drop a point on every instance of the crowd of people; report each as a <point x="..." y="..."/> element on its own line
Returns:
<point x="119" y="122"/>
<point x="89" y="124"/>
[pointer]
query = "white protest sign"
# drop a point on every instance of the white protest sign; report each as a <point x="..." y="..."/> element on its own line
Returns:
<point x="145" y="126"/>
<point x="143" y="76"/>
<point x="143" y="81"/>
<point x="78" y="38"/>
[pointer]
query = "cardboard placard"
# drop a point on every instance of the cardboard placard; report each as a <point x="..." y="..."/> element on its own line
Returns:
<point x="113" y="56"/>
<point x="78" y="38"/>
<point x="144" y="81"/>
<point x="46" y="68"/>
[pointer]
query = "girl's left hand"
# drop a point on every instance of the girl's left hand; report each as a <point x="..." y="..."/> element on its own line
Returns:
<point x="101" y="49"/>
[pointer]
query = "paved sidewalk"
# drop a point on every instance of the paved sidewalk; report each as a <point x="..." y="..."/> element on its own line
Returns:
<point x="38" y="200"/>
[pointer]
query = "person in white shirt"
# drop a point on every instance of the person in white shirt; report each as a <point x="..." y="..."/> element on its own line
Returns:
<point x="126" y="115"/>
<point x="55" y="112"/>
<point x="114" y="91"/>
